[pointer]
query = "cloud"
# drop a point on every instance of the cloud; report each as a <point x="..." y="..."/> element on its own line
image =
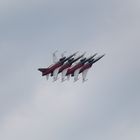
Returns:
<point x="106" y="106"/>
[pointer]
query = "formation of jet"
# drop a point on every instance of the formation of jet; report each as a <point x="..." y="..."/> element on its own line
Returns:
<point x="70" y="66"/>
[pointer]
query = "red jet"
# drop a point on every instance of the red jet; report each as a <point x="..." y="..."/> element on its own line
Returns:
<point x="54" y="69"/>
<point x="88" y="65"/>
<point x="74" y="71"/>
<point x="67" y="65"/>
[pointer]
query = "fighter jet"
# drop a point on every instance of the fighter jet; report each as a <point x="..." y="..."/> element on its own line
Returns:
<point x="88" y="65"/>
<point x="67" y="65"/>
<point x="74" y="71"/>
<point x="56" y="66"/>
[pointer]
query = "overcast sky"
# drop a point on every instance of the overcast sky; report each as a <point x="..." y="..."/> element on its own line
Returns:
<point x="106" y="107"/>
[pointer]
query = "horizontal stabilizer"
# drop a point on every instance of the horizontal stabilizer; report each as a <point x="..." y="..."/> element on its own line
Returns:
<point x="43" y="70"/>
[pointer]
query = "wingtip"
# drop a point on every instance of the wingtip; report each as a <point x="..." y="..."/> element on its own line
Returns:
<point x="84" y="80"/>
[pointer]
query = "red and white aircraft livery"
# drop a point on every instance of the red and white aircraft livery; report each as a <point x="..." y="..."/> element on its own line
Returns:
<point x="87" y="66"/>
<point x="74" y="71"/>
<point x="56" y="66"/>
<point x="67" y="66"/>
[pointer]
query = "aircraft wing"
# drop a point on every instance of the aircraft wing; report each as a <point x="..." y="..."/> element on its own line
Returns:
<point x="68" y="77"/>
<point x="47" y="76"/>
<point x="76" y="74"/>
<point x="64" y="72"/>
<point x="55" y="59"/>
<point x="84" y="75"/>
<point x="55" y="74"/>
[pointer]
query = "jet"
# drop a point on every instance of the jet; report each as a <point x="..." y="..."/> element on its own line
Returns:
<point x="67" y="65"/>
<point x="56" y="66"/>
<point x="74" y="71"/>
<point x="88" y="65"/>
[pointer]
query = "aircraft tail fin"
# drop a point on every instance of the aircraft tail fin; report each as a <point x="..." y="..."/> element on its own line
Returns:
<point x="43" y="70"/>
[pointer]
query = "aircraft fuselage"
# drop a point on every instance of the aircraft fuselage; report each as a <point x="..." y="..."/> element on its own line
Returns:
<point x="65" y="66"/>
<point x="52" y="68"/>
<point x="86" y="66"/>
<point x="71" y="70"/>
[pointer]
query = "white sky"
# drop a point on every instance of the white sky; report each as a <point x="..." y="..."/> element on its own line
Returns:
<point x="106" y="106"/>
